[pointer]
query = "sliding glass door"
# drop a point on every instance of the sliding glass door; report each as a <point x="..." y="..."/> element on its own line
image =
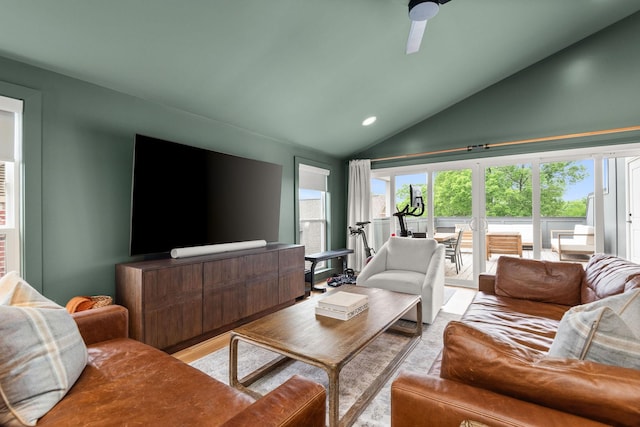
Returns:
<point x="452" y="214"/>
<point x="550" y="206"/>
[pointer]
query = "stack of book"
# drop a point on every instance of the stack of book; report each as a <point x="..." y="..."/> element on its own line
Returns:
<point x="342" y="305"/>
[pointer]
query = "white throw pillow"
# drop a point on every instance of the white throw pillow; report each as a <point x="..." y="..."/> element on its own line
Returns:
<point x="605" y="331"/>
<point x="42" y="355"/>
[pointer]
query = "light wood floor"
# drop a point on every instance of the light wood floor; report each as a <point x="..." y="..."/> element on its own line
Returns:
<point x="458" y="303"/>
<point x="200" y="350"/>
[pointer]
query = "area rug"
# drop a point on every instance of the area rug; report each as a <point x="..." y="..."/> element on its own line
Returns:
<point x="355" y="376"/>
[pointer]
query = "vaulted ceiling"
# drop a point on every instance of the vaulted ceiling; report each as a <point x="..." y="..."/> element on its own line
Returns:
<point x="298" y="71"/>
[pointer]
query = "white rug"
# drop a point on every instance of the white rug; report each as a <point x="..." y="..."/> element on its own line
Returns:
<point x="355" y="376"/>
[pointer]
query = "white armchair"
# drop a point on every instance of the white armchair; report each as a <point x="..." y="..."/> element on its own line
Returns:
<point x="413" y="266"/>
<point x="579" y="241"/>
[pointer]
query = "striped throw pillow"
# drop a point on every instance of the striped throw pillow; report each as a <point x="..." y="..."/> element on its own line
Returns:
<point x="605" y="331"/>
<point x="42" y="353"/>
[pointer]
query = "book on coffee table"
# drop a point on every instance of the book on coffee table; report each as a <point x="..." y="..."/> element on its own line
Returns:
<point x="341" y="315"/>
<point x="342" y="305"/>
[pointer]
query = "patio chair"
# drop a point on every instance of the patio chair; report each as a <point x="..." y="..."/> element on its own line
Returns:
<point x="453" y="253"/>
<point x="413" y="266"/>
<point x="579" y="241"/>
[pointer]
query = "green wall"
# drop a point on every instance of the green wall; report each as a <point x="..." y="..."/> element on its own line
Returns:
<point x="78" y="158"/>
<point x="592" y="85"/>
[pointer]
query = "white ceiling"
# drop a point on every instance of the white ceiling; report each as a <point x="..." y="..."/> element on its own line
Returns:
<point x="297" y="71"/>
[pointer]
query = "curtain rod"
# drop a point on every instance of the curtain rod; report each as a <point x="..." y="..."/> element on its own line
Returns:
<point x="517" y="142"/>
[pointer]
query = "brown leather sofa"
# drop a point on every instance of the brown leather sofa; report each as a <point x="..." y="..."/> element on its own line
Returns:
<point x="493" y="368"/>
<point x="130" y="383"/>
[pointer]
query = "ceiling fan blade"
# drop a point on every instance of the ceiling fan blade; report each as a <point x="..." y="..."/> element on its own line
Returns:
<point x="415" y="36"/>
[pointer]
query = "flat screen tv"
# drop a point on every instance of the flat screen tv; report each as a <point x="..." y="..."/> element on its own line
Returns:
<point x="184" y="196"/>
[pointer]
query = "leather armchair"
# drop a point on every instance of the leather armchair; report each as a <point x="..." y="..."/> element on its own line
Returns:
<point x="413" y="266"/>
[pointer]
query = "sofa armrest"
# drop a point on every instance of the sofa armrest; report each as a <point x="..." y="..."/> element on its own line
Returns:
<point x="601" y="392"/>
<point x="487" y="283"/>
<point x="103" y="323"/>
<point x="297" y="402"/>
<point x="422" y="400"/>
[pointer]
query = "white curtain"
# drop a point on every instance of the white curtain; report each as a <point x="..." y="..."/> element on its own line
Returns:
<point x="359" y="197"/>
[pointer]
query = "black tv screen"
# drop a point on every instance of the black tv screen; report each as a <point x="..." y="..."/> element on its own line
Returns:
<point x="185" y="196"/>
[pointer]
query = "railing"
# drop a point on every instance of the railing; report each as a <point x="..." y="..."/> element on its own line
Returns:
<point x="380" y="228"/>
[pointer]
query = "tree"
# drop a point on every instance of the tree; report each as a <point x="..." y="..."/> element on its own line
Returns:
<point x="554" y="179"/>
<point x="452" y="193"/>
<point x="576" y="208"/>
<point x="508" y="191"/>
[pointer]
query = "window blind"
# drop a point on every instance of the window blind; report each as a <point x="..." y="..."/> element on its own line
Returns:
<point x="313" y="178"/>
<point x="8" y="109"/>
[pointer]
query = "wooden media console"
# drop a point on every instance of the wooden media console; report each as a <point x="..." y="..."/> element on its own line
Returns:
<point x="175" y="303"/>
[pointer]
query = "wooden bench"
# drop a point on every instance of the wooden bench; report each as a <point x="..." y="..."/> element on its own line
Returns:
<point x="503" y="242"/>
<point x="525" y="230"/>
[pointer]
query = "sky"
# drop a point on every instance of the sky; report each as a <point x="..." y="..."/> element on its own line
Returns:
<point x="573" y="192"/>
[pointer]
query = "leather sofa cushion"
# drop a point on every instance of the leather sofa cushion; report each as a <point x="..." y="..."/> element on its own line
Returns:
<point x="523" y="323"/>
<point x="607" y="275"/>
<point x="487" y="361"/>
<point x="542" y="281"/>
<point x="117" y="382"/>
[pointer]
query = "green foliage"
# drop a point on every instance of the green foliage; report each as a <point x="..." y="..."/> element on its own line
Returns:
<point x="576" y="208"/>
<point x="554" y="180"/>
<point x="452" y="193"/>
<point x="509" y="191"/>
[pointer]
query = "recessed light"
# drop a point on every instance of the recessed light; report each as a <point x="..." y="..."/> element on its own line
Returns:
<point x="369" y="121"/>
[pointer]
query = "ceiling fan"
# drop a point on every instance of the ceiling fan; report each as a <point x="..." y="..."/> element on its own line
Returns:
<point x="420" y="11"/>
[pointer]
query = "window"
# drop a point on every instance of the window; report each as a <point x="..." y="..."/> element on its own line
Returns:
<point x="10" y="145"/>
<point x="312" y="208"/>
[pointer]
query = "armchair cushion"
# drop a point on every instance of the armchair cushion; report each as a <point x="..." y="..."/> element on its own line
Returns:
<point x="409" y="282"/>
<point x="410" y="254"/>
<point x="605" y="331"/>
<point x="584" y="235"/>
<point x="42" y="352"/>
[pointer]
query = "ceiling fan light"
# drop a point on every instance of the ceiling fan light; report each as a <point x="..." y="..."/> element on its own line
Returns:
<point x="422" y="10"/>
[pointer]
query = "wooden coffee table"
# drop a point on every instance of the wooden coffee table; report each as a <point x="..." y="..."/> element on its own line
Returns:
<point x="296" y="332"/>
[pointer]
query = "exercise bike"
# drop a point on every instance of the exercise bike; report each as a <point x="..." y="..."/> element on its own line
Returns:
<point x="414" y="208"/>
<point x="359" y="231"/>
<point x="348" y="276"/>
